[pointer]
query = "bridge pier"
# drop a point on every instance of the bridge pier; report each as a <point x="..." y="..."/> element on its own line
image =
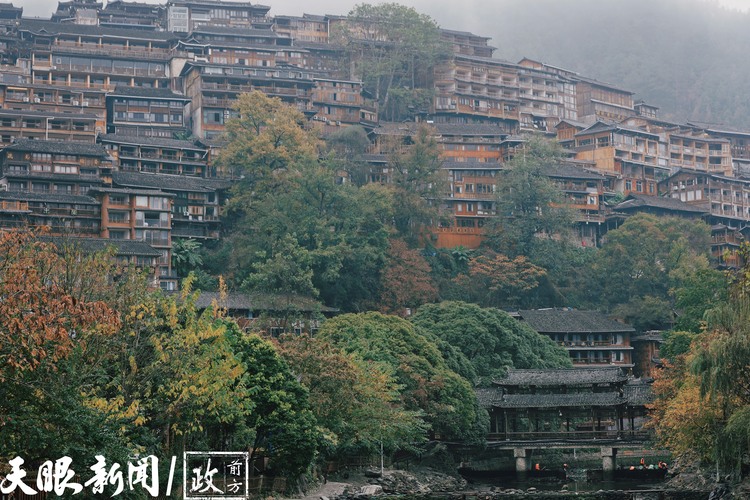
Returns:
<point x="609" y="461"/>
<point x="522" y="465"/>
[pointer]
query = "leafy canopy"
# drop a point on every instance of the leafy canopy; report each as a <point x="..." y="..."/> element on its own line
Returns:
<point x="490" y="339"/>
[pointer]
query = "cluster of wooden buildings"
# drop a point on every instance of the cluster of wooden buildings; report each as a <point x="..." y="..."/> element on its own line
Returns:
<point x="111" y="118"/>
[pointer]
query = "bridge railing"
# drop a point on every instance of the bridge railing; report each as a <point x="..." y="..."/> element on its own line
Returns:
<point x="627" y="435"/>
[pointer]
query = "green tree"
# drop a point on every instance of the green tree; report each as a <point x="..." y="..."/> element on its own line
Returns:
<point x="390" y="46"/>
<point x="649" y="256"/>
<point x="186" y="256"/>
<point x="530" y="207"/>
<point x="281" y="421"/>
<point x="347" y="147"/>
<point x="413" y="358"/>
<point x="406" y="281"/>
<point x="418" y="181"/>
<point x="695" y="294"/>
<point x="294" y="228"/>
<point x="713" y="374"/>
<point x="266" y="136"/>
<point x="495" y="280"/>
<point x="288" y="269"/>
<point x="357" y="402"/>
<point x="490" y="339"/>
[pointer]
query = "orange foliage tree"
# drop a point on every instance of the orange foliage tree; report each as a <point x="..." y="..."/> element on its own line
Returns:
<point x="499" y="280"/>
<point x="406" y="282"/>
<point x="42" y="319"/>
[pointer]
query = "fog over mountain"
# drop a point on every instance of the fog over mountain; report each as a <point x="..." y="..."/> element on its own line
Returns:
<point x="686" y="56"/>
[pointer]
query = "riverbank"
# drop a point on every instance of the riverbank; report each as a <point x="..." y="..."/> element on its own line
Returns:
<point x="429" y="484"/>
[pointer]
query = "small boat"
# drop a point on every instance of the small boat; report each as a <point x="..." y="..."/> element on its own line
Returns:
<point x="640" y="473"/>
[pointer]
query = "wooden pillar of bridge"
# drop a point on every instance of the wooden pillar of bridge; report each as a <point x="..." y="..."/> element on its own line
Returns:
<point x="609" y="462"/>
<point x="522" y="465"/>
<point x="505" y="424"/>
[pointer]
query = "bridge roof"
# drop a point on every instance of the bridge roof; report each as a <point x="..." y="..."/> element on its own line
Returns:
<point x="639" y="394"/>
<point x="576" y="400"/>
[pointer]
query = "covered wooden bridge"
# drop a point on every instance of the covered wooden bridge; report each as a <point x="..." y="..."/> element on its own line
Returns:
<point x="566" y="408"/>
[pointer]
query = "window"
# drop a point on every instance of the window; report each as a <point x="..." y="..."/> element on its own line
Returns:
<point x="119" y="217"/>
<point x="66" y="169"/>
<point x="122" y="234"/>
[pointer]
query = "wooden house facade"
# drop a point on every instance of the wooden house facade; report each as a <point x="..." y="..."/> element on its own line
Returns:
<point x="92" y="57"/>
<point x="726" y="200"/>
<point x="590" y="337"/>
<point x="473" y="89"/>
<point x="272" y="315"/>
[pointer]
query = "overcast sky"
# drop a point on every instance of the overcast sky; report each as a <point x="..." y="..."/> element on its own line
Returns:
<point x="462" y="15"/>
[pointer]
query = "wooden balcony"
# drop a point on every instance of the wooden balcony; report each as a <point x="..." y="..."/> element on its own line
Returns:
<point x="118" y="51"/>
<point x="14" y="206"/>
<point x="459" y="230"/>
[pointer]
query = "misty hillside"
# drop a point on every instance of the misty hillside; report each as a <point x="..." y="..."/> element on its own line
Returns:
<point x="690" y="58"/>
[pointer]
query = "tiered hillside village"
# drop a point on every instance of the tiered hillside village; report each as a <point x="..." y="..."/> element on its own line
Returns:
<point x="111" y="119"/>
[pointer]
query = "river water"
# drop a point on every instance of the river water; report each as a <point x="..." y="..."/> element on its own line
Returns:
<point x="621" y="489"/>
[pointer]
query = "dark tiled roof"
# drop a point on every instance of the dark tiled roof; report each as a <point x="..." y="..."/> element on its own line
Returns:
<point x="700" y="139"/>
<point x="156" y="93"/>
<point x="47" y="114"/>
<point x="489" y="397"/>
<point x="591" y="81"/>
<point x="244" y="32"/>
<point x="89" y="179"/>
<point x="410" y="128"/>
<point x="144" y="192"/>
<point x="570" y="171"/>
<point x="48" y="198"/>
<point x="58" y="147"/>
<point x="638" y="393"/>
<point x="488" y="60"/>
<point x="561" y="400"/>
<point x="472" y="165"/>
<point x="168" y="182"/>
<point x="463" y="33"/>
<point x="601" y="126"/>
<point x="51" y="28"/>
<point x="396" y="128"/>
<point x="562" y="376"/>
<point x="375" y="158"/>
<point x="571" y="321"/>
<point x="93" y="245"/>
<point x="242" y="301"/>
<point x="575" y="123"/>
<point x="318" y="45"/>
<point x="468" y="129"/>
<point x="635" y="201"/>
<point x="719" y="128"/>
<point x="150" y="141"/>
<point x="650" y="336"/>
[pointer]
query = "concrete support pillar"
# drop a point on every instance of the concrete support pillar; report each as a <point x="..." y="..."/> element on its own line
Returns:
<point x="522" y="465"/>
<point x="609" y="461"/>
